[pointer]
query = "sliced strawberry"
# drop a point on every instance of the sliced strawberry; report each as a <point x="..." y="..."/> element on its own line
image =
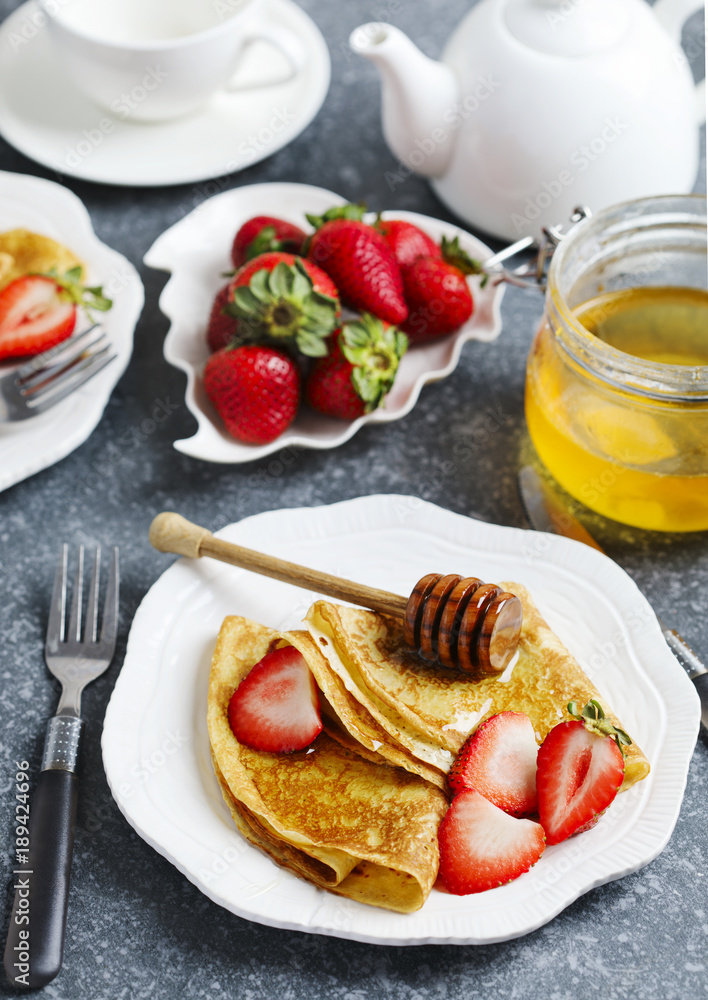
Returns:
<point x="275" y="706"/>
<point x="499" y="760"/>
<point x="482" y="847"/>
<point x="580" y="770"/>
<point x="33" y="316"/>
<point x="38" y="311"/>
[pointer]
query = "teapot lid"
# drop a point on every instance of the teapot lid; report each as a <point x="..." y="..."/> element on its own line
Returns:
<point x="567" y="27"/>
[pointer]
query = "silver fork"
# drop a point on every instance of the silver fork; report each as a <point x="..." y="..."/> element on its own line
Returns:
<point x="38" y="917"/>
<point x="52" y="376"/>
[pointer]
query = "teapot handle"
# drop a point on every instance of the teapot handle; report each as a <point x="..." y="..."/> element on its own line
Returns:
<point x="672" y="15"/>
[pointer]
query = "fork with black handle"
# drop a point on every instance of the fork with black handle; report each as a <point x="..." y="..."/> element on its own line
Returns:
<point x="35" y="940"/>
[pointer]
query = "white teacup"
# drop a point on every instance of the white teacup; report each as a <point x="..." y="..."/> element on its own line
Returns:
<point x="153" y="60"/>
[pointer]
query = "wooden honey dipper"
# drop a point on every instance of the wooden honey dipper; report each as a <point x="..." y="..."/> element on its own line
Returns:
<point x="460" y="622"/>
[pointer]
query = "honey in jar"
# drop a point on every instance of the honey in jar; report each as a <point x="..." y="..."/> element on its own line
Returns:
<point x="617" y="380"/>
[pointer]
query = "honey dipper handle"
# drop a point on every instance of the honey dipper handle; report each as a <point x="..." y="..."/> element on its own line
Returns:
<point x="171" y="532"/>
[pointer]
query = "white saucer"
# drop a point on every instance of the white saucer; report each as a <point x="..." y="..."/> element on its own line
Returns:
<point x="47" y="119"/>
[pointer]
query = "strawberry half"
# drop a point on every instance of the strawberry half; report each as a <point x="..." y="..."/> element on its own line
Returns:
<point x="282" y="299"/>
<point x="482" y="847"/>
<point x="499" y="760"/>
<point x="275" y="706"/>
<point x="359" y="261"/>
<point x="263" y="234"/>
<point x="580" y="770"/>
<point x="38" y="311"/>
<point x="407" y="241"/>
<point x="255" y="389"/>
<point x="359" y="370"/>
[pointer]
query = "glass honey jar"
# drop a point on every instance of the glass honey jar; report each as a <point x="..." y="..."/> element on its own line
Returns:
<point x="617" y="377"/>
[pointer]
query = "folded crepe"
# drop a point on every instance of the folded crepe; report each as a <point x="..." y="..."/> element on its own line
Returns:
<point x="361" y="829"/>
<point x="25" y="252"/>
<point x="416" y="714"/>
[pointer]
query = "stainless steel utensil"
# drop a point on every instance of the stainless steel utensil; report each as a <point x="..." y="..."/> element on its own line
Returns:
<point x="42" y="881"/>
<point x="53" y="375"/>
<point x="546" y="512"/>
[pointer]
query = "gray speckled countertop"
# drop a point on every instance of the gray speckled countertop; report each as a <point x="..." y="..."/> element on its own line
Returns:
<point x="137" y="927"/>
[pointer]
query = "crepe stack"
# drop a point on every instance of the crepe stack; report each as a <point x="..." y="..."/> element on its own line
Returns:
<point x="364" y="830"/>
<point x="357" y="812"/>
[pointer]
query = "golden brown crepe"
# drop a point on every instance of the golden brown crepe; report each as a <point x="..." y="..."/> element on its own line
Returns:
<point x="25" y="252"/>
<point x="423" y="713"/>
<point x="365" y="830"/>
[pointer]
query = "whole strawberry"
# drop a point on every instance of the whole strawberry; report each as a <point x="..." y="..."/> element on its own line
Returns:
<point x="359" y="261"/>
<point x="221" y="328"/>
<point x="359" y="371"/>
<point x="580" y="769"/>
<point x="407" y="241"/>
<point x="284" y="300"/>
<point x="263" y="234"/>
<point x="438" y="295"/>
<point x="255" y="389"/>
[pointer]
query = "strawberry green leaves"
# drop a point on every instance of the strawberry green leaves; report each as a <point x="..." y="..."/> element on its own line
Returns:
<point x="283" y="305"/>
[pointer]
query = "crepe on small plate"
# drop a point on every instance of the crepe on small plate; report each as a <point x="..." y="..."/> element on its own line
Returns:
<point x="25" y="252"/>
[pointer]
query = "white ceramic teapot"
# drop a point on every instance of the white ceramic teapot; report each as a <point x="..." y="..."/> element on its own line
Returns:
<point x="540" y="105"/>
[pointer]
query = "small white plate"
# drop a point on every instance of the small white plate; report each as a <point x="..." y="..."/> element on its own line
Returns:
<point x="44" y="207"/>
<point x="44" y="116"/>
<point x="197" y="252"/>
<point x="156" y="746"/>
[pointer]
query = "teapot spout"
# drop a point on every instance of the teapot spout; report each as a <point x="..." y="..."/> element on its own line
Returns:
<point x="418" y="97"/>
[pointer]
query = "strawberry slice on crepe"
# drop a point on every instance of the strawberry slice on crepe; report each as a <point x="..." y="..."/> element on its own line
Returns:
<point x="499" y="761"/>
<point x="580" y="770"/>
<point x="482" y="847"/>
<point x="275" y="707"/>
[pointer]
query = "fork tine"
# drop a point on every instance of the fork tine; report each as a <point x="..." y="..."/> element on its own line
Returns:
<point x="74" y="630"/>
<point x="44" y="400"/>
<point x="57" y="608"/>
<point x="109" y="629"/>
<point x="40" y="361"/>
<point x="92" y="603"/>
<point x="64" y="363"/>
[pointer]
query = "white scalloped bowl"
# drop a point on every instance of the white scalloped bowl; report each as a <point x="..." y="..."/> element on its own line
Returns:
<point x="196" y="250"/>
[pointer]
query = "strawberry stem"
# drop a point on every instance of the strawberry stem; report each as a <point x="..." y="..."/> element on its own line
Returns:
<point x="593" y="718"/>
<point x="454" y="254"/>
<point x="348" y="211"/>
<point x="87" y="297"/>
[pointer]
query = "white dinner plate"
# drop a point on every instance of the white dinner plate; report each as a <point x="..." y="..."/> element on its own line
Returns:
<point x="156" y="747"/>
<point x="48" y="208"/>
<point x="196" y="250"/>
<point x="44" y="116"/>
